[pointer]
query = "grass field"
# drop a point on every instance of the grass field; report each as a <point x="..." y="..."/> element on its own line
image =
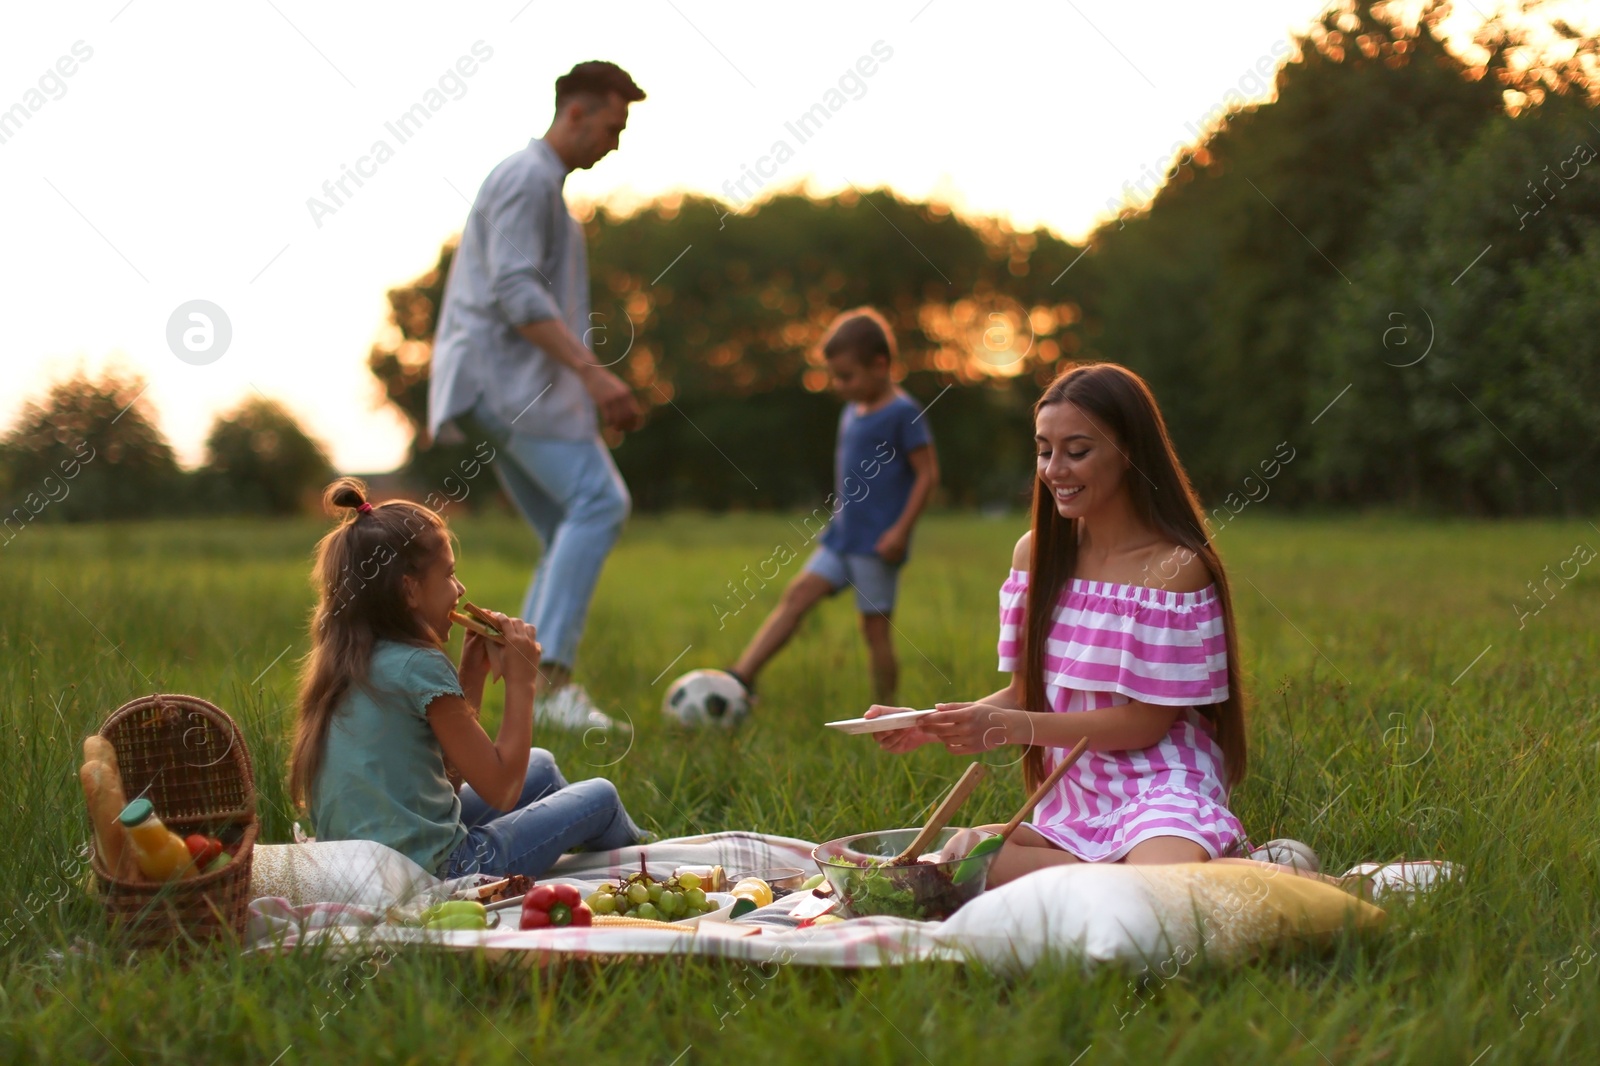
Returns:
<point x="1382" y="727"/>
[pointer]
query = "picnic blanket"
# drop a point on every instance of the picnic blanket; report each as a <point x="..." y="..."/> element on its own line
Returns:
<point x="1145" y="917"/>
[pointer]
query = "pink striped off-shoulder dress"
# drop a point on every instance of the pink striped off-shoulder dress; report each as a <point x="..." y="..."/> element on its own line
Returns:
<point x="1110" y="644"/>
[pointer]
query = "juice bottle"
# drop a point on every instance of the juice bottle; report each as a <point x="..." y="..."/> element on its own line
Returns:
<point x="161" y="853"/>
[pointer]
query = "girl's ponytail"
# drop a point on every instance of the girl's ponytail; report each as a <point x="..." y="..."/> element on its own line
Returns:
<point x="348" y="492"/>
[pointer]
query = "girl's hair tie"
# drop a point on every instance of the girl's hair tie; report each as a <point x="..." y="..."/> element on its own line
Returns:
<point x="364" y="508"/>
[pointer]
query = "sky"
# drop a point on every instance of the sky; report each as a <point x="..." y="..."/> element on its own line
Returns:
<point x="169" y="153"/>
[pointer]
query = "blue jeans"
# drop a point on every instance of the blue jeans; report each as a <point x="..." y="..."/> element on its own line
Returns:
<point x="574" y="497"/>
<point x="550" y="817"/>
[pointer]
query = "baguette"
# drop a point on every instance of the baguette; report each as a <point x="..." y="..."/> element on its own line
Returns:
<point x="97" y="748"/>
<point x="103" y="791"/>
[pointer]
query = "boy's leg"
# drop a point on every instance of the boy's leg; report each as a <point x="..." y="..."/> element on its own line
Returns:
<point x="880" y="646"/>
<point x="823" y="575"/>
<point x="876" y="584"/>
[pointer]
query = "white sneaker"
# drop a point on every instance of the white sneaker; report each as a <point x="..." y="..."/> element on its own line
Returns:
<point x="569" y="707"/>
<point x="1286" y="852"/>
<point x="1403" y="879"/>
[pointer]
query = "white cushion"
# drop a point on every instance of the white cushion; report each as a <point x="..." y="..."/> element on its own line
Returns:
<point x="359" y="872"/>
<point x="1092" y="912"/>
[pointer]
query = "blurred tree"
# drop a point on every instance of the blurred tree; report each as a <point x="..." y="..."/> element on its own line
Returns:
<point x="89" y="450"/>
<point x="258" y="459"/>
<point x="400" y="360"/>
<point x="1471" y="339"/>
<point x="1213" y="291"/>
<point x="1246" y="291"/>
<point x="720" y="343"/>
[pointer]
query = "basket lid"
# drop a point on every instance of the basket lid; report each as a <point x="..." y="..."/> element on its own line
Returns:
<point x="185" y="755"/>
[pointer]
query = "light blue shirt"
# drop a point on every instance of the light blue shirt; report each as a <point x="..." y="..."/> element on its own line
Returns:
<point x="382" y="775"/>
<point x="522" y="259"/>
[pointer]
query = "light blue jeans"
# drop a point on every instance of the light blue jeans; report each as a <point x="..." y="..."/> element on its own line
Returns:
<point x="574" y="497"/>
<point x="550" y="818"/>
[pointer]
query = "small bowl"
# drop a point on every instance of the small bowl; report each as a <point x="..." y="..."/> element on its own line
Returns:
<point x="927" y="892"/>
<point x="787" y="878"/>
<point x="724" y="904"/>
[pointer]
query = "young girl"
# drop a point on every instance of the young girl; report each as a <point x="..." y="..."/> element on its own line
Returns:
<point x="383" y="711"/>
<point x="1146" y="668"/>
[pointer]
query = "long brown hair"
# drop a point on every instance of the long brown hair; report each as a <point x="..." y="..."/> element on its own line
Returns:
<point x="361" y="600"/>
<point x="1121" y="403"/>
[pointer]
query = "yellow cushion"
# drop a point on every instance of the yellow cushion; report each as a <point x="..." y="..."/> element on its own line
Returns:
<point x="1237" y="908"/>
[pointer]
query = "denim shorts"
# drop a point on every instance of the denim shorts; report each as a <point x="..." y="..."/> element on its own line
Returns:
<point x="874" y="580"/>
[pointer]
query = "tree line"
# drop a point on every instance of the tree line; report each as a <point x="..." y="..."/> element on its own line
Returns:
<point x="1389" y="273"/>
<point x="90" y="450"/>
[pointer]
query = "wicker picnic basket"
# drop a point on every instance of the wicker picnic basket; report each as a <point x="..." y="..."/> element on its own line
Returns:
<point x="189" y="759"/>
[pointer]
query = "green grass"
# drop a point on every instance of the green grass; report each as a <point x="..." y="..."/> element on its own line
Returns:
<point x="1368" y="741"/>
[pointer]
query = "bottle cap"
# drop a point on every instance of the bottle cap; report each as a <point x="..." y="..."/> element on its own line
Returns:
<point x="136" y="812"/>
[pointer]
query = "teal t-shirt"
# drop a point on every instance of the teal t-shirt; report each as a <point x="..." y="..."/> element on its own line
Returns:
<point x="382" y="775"/>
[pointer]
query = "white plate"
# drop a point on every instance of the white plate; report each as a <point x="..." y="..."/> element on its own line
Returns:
<point x="504" y="905"/>
<point x="724" y="903"/>
<point x="881" y="724"/>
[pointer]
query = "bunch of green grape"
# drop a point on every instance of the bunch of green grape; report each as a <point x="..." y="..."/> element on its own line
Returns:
<point x="642" y="896"/>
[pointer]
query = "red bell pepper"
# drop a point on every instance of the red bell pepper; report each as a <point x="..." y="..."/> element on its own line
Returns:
<point x="554" y="907"/>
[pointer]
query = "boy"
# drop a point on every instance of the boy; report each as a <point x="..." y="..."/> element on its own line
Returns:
<point x="885" y="470"/>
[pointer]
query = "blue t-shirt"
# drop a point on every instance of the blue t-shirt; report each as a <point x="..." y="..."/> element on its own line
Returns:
<point x="872" y="473"/>
<point x="382" y="775"/>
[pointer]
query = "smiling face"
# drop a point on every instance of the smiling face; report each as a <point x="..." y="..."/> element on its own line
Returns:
<point x="434" y="593"/>
<point x="1079" y="462"/>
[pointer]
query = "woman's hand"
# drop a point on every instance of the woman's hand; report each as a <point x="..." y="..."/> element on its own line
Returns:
<point x="970" y="728"/>
<point x="898" y="741"/>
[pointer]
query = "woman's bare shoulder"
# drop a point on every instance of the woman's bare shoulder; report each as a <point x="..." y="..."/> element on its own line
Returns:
<point x="1022" y="554"/>
<point x="1177" y="569"/>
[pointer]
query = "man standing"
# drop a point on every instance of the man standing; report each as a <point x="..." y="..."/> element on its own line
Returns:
<point x="510" y="362"/>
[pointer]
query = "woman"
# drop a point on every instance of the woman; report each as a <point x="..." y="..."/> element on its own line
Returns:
<point x="1117" y="625"/>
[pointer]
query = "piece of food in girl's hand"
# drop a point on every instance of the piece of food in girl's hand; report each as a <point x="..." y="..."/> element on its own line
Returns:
<point x="483" y="618"/>
<point x="483" y="629"/>
<point x="480" y="614"/>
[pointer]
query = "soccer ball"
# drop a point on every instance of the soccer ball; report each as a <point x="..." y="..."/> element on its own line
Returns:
<point x="706" y="697"/>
